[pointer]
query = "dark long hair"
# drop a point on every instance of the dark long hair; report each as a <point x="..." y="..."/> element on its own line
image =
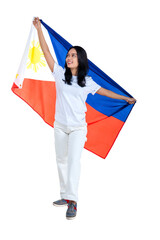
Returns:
<point x="82" y="67"/>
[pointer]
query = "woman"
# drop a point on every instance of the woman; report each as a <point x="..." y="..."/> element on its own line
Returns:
<point x="70" y="127"/>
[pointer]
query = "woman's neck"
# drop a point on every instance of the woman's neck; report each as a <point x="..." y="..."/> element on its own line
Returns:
<point x="74" y="71"/>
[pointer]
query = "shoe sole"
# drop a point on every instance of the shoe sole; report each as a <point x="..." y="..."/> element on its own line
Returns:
<point x="57" y="205"/>
<point x="71" y="218"/>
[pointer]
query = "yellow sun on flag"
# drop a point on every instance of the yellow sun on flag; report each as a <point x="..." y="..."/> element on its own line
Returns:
<point x="35" y="57"/>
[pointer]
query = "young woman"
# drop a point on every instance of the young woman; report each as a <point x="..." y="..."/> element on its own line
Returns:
<point x="70" y="128"/>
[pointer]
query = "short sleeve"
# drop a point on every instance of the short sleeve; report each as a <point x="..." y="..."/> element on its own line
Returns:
<point x="92" y="86"/>
<point x="58" y="72"/>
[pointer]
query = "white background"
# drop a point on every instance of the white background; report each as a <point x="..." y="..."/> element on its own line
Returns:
<point x="119" y="196"/>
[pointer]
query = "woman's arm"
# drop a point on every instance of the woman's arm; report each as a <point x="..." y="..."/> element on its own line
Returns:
<point x="49" y="59"/>
<point x="110" y="94"/>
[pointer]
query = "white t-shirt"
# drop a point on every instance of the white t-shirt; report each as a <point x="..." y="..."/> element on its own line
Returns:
<point x="70" y="99"/>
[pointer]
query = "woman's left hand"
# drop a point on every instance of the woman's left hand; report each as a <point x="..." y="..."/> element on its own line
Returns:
<point x="130" y="100"/>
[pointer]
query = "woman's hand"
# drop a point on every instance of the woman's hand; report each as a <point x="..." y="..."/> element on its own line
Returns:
<point x="37" y="23"/>
<point x="130" y="100"/>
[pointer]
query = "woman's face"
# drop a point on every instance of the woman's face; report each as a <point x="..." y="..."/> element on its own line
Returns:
<point x="72" y="59"/>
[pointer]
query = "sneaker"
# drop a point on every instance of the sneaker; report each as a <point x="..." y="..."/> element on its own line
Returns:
<point x="61" y="203"/>
<point x="72" y="210"/>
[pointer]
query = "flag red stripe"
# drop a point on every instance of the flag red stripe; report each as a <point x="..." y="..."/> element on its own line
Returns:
<point x="105" y="129"/>
<point x="41" y="97"/>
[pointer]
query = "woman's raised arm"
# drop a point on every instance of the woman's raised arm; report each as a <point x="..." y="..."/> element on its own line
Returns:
<point x="49" y="59"/>
<point x="110" y="94"/>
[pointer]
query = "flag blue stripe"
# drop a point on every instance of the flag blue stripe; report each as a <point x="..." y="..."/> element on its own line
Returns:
<point x="110" y="107"/>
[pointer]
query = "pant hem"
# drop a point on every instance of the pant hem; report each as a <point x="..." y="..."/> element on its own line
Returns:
<point x="71" y="198"/>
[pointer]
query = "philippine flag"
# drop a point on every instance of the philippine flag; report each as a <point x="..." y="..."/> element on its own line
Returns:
<point x="35" y="84"/>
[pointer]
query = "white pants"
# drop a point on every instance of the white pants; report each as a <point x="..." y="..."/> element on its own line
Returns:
<point x="69" y="143"/>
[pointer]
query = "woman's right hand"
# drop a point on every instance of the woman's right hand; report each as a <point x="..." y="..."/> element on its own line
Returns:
<point x="37" y="23"/>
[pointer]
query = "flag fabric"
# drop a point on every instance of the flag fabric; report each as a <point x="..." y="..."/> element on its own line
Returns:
<point x="35" y="84"/>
